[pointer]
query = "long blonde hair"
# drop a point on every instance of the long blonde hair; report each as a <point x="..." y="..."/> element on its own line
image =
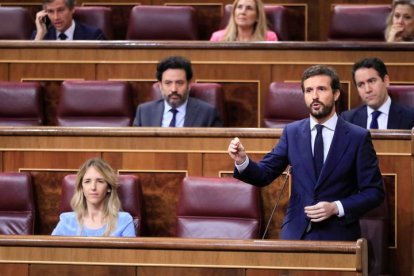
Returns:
<point x="391" y="15"/>
<point x="112" y="204"/>
<point x="259" y="28"/>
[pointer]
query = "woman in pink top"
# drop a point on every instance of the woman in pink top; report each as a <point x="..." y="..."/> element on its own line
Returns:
<point x="247" y="23"/>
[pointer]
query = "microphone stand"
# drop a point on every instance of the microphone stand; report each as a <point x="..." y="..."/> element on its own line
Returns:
<point x="277" y="201"/>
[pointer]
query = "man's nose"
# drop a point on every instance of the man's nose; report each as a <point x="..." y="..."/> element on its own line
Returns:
<point x="174" y="87"/>
<point x="367" y="88"/>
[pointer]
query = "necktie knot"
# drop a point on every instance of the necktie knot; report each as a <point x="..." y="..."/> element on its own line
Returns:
<point x="174" y="112"/>
<point x="62" y="36"/>
<point x="374" y="121"/>
<point x="319" y="129"/>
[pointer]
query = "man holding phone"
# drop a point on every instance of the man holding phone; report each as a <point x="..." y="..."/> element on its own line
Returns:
<point x="55" y="22"/>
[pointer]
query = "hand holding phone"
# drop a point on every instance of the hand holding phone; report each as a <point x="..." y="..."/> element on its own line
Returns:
<point x="42" y="24"/>
<point x="46" y="21"/>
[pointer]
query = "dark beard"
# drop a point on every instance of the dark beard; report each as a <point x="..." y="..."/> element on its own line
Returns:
<point x="175" y="104"/>
<point x="323" y="112"/>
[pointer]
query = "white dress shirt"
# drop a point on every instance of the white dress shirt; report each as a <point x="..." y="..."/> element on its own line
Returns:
<point x="69" y="32"/>
<point x="383" y="117"/>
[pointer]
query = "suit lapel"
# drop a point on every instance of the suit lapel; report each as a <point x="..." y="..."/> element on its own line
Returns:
<point x="361" y="117"/>
<point x="393" y="117"/>
<point x="190" y="113"/>
<point x="157" y="113"/>
<point x="304" y="140"/>
<point x="338" y="148"/>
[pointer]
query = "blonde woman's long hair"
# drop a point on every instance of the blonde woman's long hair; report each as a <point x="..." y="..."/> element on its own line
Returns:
<point x="259" y="28"/>
<point x="112" y="204"/>
<point x="391" y="15"/>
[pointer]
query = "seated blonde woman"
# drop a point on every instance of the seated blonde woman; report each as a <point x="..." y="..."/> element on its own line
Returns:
<point x="96" y="205"/>
<point x="400" y="22"/>
<point x="247" y="23"/>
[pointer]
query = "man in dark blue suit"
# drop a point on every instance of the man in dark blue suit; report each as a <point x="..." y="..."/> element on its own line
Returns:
<point x="176" y="108"/>
<point x="55" y="22"/>
<point x="371" y="78"/>
<point x="335" y="173"/>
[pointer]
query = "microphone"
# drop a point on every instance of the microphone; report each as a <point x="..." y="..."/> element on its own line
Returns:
<point x="277" y="201"/>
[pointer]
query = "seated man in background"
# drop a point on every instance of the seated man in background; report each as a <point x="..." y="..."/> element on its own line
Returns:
<point x="371" y="78"/>
<point x="55" y="22"/>
<point x="176" y="109"/>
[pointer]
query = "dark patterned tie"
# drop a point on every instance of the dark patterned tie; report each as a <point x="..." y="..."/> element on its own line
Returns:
<point x="174" y="112"/>
<point x="318" y="150"/>
<point x="62" y="36"/>
<point x="374" y="122"/>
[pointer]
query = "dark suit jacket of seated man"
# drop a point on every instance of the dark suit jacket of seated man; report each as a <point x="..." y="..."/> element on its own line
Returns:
<point x="370" y="76"/>
<point x="55" y="21"/>
<point x="399" y="117"/>
<point x="198" y="114"/>
<point x="81" y="32"/>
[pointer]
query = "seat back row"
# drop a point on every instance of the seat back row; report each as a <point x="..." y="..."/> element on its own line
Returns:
<point x="180" y="22"/>
<point x="109" y="103"/>
<point x="152" y="22"/>
<point x="86" y="103"/>
<point x="208" y="207"/>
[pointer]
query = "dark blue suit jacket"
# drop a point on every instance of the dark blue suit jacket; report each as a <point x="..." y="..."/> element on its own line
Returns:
<point x="400" y="117"/>
<point x="350" y="174"/>
<point x="82" y="32"/>
<point x="198" y="114"/>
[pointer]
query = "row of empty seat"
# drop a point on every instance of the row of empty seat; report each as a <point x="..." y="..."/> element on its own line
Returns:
<point x="109" y="103"/>
<point x="180" y="22"/>
<point x="207" y="208"/>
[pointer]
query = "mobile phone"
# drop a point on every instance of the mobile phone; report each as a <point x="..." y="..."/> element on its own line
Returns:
<point x="46" y="20"/>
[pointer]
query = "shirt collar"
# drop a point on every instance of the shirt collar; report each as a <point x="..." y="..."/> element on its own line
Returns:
<point x="69" y="31"/>
<point x="182" y="108"/>
<point x="329" y="124"/>
<point x="384" y="108"/>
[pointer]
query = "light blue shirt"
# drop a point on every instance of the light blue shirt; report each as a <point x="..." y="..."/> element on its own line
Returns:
<point x="68" y="226"/>
<point x="179" y="117"/>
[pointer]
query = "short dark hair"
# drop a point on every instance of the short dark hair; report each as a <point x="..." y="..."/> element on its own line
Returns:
<point x="317" y="70"/>
<point x="374" y="63"/>
<point x="174" y="62"/>
<point x="68" y="3"/>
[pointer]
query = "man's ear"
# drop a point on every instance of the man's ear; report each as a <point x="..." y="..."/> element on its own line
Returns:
<point x="337" y="94"/>
<point x="387" y="80"/>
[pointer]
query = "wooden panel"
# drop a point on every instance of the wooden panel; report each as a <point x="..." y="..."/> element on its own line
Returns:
<point x="41" y="270"/>
<point x="244" y="70"/>
<point x="189" y="271"/>
<point x="46" y="72"/>
<point x="196" y="253"/>
<point x="14" y="269"/>
<point x="162" y="157"/>
<point x="4" y="72"/>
